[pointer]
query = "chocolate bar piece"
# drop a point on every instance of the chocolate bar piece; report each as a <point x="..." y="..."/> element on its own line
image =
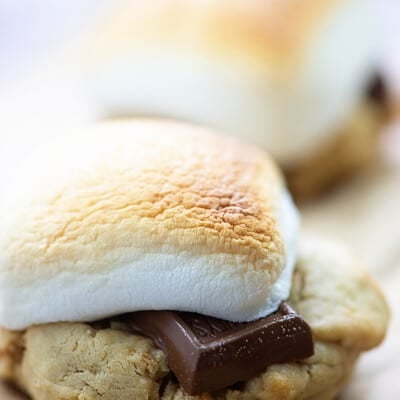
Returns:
<point x="207" y="354"/>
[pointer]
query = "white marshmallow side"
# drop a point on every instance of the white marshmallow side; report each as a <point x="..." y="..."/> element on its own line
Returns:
<point x="289" y="224"/>
<point x="150" y="281"/>
<point x="290" y="116"/>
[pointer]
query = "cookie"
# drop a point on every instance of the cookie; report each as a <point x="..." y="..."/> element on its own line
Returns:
<point x="103" y="231"/>
<point x="356" y="145"/>
<point x="276" y="76"/>
<point x="340" y="301"/>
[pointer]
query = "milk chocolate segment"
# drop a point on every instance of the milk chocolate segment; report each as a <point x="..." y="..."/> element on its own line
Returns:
<point x="207" y="354"/>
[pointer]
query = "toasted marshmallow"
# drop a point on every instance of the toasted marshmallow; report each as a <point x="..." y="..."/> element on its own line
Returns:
<point x="281" y="74"/>
<point x="145" y="215"/>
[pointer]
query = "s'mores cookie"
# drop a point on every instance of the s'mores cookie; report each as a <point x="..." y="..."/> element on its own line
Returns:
<point x="292" y="77"/>
<point x="156" y="260"/>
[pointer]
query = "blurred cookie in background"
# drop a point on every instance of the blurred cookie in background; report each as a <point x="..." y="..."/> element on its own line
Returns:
<point x="293" y="77"/>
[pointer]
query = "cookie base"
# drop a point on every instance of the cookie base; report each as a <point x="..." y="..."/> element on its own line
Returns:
<point x="354" y="147"/>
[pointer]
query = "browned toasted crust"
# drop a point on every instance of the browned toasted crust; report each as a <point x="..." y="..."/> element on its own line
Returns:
<point x="269" y="33"/>
<point x="140" y="187"/>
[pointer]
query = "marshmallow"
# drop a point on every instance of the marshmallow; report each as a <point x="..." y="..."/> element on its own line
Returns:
<point x="144" y="215"/>
<point x="284" y="75"/>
